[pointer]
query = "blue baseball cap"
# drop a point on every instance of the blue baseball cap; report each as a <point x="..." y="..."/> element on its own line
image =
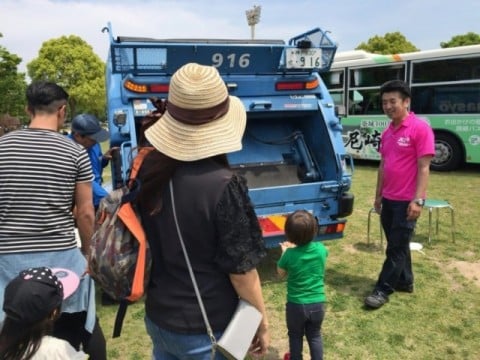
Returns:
<point x="89" y="125"/>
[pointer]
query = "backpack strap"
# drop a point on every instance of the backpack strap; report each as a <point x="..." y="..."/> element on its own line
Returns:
<point x="121" y="312"/>
<point x="142" y="152"/>
<point x="131" y="221"/>
<point x="129" y="218"/>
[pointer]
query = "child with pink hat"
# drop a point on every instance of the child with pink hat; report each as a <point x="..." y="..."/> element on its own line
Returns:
<point x="32" y="304"/>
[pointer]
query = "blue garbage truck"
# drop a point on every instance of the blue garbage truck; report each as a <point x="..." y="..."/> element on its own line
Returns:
<point x="293" y="155"/>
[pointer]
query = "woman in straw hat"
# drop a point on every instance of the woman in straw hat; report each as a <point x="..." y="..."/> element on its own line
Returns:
<point x="218" y="225"/>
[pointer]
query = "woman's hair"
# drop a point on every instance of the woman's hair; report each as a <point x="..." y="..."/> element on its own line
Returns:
<point x="301" y="227"/>
<point x="18" y="341"/>
<point x="156" y="171"/>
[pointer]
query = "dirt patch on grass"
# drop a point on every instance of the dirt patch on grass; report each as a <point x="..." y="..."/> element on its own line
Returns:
<point x="349" y="248"/>
<point x="468" y="269"/>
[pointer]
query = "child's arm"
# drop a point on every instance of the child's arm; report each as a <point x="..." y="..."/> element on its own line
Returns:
<point x="281" y="273"/>
<point x="284" y="246"/>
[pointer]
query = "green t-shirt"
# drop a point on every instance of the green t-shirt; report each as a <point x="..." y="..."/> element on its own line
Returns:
<point x="305" y="266"/>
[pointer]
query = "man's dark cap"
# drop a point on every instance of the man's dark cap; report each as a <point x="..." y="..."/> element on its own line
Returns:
<point x="89" y="125"/>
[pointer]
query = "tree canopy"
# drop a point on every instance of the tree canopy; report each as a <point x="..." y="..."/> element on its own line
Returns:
<point x="390" y="43"/>
<point x="469" y="38"/>
<point x="12" y="85"/>
<point x="71" y="62"/>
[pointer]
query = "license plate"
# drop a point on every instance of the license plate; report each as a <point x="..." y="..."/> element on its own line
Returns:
<point x="303" y="58"/>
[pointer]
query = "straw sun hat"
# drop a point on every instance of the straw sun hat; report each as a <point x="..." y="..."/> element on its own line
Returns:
<point x="201" y="119"/>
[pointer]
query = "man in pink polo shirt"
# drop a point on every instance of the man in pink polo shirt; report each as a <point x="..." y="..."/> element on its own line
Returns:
<point x="406" y="148"/>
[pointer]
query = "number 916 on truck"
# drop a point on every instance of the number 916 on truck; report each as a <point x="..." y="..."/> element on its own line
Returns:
<point x="292" y="153"/>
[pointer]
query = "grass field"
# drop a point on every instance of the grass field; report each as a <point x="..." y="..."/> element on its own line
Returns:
<point x="440" y="320"/>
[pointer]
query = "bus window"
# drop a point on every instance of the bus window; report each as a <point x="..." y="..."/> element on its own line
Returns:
<point x="337" y="97"/>
<point x="376" y="75"/>
<point x="422" y="99"/>
<point x="334" y="79"/>
<point x="446" y="99"/>
<point x="365" y="102"/>
<point x="446" y="70"/>
<point x="355" y="100"/>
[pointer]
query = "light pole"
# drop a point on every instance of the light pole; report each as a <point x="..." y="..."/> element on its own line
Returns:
<point x="253" y="18"/>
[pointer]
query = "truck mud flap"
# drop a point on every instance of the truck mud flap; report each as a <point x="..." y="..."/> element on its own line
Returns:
<point x="345" y="206"/>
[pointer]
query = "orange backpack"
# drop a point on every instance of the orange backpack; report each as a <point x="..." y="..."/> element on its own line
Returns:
<point x="120" y="260"/>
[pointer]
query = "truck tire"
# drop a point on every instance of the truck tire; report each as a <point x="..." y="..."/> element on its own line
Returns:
<point x="448" y="153"/>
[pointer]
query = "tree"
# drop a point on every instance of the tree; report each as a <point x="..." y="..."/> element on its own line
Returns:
<point x="70" y="62"/>
<point x="12" y="85"/>
<point x="391" y="43"/>
<point x="469" y="38"/>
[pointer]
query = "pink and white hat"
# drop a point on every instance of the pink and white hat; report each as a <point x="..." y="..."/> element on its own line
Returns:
<point x="36" y="292"/>
<point x="69" y="280"/>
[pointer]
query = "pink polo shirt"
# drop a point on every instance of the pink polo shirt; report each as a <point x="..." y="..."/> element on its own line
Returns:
<point x="400" y="149"/>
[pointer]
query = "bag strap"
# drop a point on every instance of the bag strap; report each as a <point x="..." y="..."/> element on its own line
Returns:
<point x="129" y="218"/>
<point x="192" y="275"/>
<point x="137" y="162"/>
<point x="121" y="312"/>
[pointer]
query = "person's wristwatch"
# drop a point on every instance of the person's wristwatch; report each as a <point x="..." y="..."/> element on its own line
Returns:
<point x="419" y="202"/>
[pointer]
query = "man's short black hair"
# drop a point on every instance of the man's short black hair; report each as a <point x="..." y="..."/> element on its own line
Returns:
<point x="45" y="96"/>
<point x="396" y="85"/>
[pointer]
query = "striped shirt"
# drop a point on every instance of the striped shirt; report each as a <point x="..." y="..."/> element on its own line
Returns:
<point x="38" y="173"/>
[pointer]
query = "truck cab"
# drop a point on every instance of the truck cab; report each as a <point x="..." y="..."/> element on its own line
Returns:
<point x="293" y="156"/>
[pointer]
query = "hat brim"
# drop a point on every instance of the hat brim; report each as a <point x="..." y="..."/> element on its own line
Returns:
<point x="187" y="142"/>
<point x="100" y="136"/>
<point x="69" y="280"/>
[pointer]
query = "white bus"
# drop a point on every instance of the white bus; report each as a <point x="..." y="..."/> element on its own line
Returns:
<point x="445" y="86"/>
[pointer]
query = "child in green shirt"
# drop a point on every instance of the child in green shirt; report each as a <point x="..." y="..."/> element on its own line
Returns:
<point x="304" y="261"/>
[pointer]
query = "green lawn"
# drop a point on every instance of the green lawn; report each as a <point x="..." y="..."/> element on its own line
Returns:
<point x="440" y="320"/>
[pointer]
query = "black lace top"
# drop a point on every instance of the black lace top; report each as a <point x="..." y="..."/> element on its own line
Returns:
<point x="241" y="245"/>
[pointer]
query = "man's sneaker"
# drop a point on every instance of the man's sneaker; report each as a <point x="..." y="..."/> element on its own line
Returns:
<point x="404" y="288"/>
<point x="376" y="299"/>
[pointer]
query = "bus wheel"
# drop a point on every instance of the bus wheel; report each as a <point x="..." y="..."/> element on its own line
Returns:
<point x="448" y="153"/>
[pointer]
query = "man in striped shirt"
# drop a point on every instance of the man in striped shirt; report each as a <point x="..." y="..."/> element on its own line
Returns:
<point x="43" y="174"/>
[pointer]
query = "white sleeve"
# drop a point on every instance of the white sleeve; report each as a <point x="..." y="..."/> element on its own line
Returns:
<point x="52" y="348"/>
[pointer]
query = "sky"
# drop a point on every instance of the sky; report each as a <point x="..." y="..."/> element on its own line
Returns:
<point x="26" y="24"/>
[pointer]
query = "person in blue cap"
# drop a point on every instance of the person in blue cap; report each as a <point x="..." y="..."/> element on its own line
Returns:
<point x="87" y="131"/>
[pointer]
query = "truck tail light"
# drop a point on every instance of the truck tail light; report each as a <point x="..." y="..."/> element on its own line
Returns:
<point x="159" y="88"/>
<point x="274" y="225"/>
<point x="145" y="88"/>
<point x="296" y="85"/>
<point x="332" y="228"/>
<point x="138" y="88"/>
